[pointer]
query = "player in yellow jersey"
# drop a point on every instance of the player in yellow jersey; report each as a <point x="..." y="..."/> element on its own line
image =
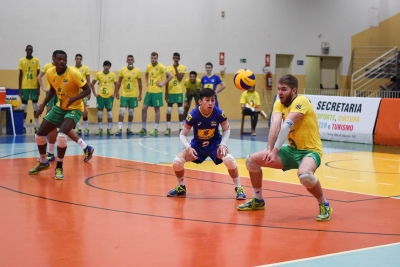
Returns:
<point x="174" y="92"/>
<point x="250" y="104"/>
<point x="131" y="79"/>
<point x="193" y="86"/>
<point x="29" y="68"/>
<point x="105" y="95"/>
<point x="84" y="70"/>
<point x="154" y="96"/>
<point x="300" y="127"/>
<point x="66" y="83"/>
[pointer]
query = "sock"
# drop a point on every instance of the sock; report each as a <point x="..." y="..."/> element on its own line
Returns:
<point x="82" y="143"/>
<point x="36" y="122"/>
<point x="257" y="193"/>
<point x="322" y="199"/>
<point x="24" y="122"/>
<point x="237" y="181"/>
<point x="78" y="125"/>
<point x="168" y="124"/>
<point x="59" y="163"/>
<point x="43" y="158"/>
<point x="143" y="125"/>
<point x="129" y="124"/>
<point x="86" y="123"/>
<point x="181" y="180"/>
<point x="156" y="126"/>
<point x="119" y="125"/>
<point x="51" y="148"/>
<point x="100" y="125"/>
<point x="109" y="125"/>
<point x="181" y="125"/>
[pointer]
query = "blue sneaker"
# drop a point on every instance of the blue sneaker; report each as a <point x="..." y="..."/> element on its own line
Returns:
<point x="325" y="211"/>
<point x="40" y="167"/>
<point x="49" y="157"/>
<point x="88" y="153"/>
<point x="178" y="191"/>
<point x="253" y="204"/>
<point x="118" y="132"/>
<point x="240" y="193"/>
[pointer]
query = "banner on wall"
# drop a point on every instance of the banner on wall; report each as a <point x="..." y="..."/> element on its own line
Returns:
<point x="347" y="119"/>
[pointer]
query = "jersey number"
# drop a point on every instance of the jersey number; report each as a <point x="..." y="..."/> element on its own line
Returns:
<point x="175" y="83"/>
<point x="104" y="90"/>
<point x="128" y="86"/>
<point x="29" y="76"/>
<point x="151" y="82"/>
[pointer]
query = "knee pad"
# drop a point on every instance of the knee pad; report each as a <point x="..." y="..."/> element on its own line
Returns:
<point x="109" y="114"/>
<point x="130" y="112"/>
<point x="62" y="140"/>
<point x="122" y="111"/>
<point x="24" y="107"/>
<point x="308" y="179"/>
<point x="178" y="163"/>
<point x="40" y="140"/>
<point x="169" y="110"/>
<point x="34" y="105"/>
<point x="251" y="165"/>
<point x="99" y="114"/>
<point x="229" y="162"/>
<point x="180" y="110"/>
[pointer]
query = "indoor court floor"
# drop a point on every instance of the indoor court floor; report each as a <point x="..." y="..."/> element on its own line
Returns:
<point x="113" y="210"/>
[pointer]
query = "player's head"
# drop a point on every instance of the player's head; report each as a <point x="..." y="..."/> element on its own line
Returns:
<point x="209" y="67"/>
<point x="78" y="59"/>
<point x="60" y="59"/>
<point x="176" y="57"/>
<point x="192" y="76"/>
<point x="106" y="65"/>
<point x="154" y="57"/>
<point x="287" y="88"/>
<point x="207" y="100"/>
<point x="130" y="60"/>
<point x="29" y="50"/>
<point x="252" y="89"/>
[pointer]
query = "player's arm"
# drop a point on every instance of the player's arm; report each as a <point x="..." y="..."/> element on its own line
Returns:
<point x="85" y="92"/>
<point x="50" y="94"/>
<point x="41" y="84"/>
<point x="291" y="119"/>
<point x="117" y="88"/>
<point x="179" y="76"/>
<point x="20" y="82"/>
<point x="147" y="79"/>
<point x="93" y="88"/>
<point x="139" y="82"/>
<point x="183" y="137"/>
<point x="226" y="132"/>
<point x="88" y="81"/>
<point x="223" y="86"/>
<point x="37" y="77"/>
<point x="166" y="93"/>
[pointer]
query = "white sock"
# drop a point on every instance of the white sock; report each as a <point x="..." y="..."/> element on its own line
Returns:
<point x="322" y="199"/>
<point x="237" y="181"/>
<point x="82" y="143"/>
<point x="60" y="159"/>
<point x="24" y="122"/>
<point x="86" y="123"/>
<point x="100" y="125"/>
<point x="143" y="125"/>
<point x="109" y="125"/>
<point x="181" y="125"/>
<point x="119" y="125"/>
<point x="168" y="124"/>
<point x="129" y="124"/>
<point x="181" y="180"/>
<point x="36" y="122"/>
<point x="257" y="193"/>
<point x="156" y="126"/>
<point x="51" y="148"/>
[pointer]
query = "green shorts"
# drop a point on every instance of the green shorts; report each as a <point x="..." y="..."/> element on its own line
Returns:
<point x="153" y="99"/>
<point x="52" y="101"/>
<point x="30" y="94"/>
<point x="105" y="103"/>
<point x="57" y="116"/>
<point x="195" y="97"/>
<point x="130" y="102"/>
<point x="292" y="157"/>
<point x="175" y="98"/>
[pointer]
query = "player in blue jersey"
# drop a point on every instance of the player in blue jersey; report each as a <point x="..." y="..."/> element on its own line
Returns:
<point x="211" y="81"/>
<point x="207" y="142"/>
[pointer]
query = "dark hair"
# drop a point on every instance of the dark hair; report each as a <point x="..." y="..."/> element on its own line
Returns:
<point x="59" y="52"/>
<point x="289" y="80"/>
<point x="78" y="55"/>
<point x="29" y="46"/>
<point x="154" y="54"/>
<point x="206" y="93"/>
<point x="129" y="56"/>
<point x="209" y="63"/>
<point x="107" y="63"/>
<point x="193" y="72"/>
<point x="176" y="55"/>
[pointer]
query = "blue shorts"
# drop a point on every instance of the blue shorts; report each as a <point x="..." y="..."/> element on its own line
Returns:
<point x="204" y="152"/>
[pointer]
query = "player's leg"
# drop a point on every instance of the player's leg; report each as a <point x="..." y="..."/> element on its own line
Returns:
<point x="34" y="95"/>
<point x="132" y="104"/>
<point x="157" y="100"/>
<point x="87" y="150"/>
<point x="168" y="116"/>
<point x="109" y="106"/>
<point x="147" y="102"/>
<point x="86" y="125"/>
<point x="100" y="107"/>
<point x="187" y="104"/>
<point x="24" y="101"/>
<point x="122" y="109"/>
<point x="181" y="114"/>
<point x="52" y="142"/>
<point x="254" y="121"/>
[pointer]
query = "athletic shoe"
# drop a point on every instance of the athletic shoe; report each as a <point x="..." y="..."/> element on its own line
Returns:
<point x="118" y="132"/>
<point x="40" y="167"/>
<point x="262" y="113"/>
<point x="178" y="191"/>
<point x="86" y="132"/>
<point x="253" y="133"/>
<point x="88" y="153"/>
<point x="253" y="204"/>
<point x="49" y="157"/>
<point x="109" y="132"/>
<point x="154" y="133"/>
<point x="36" y="129"/>
<point x="180" y="130"/>
<point x="168" y="132"/>
<point x="129" y="132"/>
<point x="24" y="130"/>
<point x="142" y="132"/>
<point x="78" y="131"/>
<point x="59" y="173"/>
<point x="99" y="132"/>
<point x="325" y="211"/>
<point x="240" y="193"/>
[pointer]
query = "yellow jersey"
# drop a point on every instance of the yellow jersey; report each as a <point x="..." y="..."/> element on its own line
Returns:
<point x="67" y="85"/>
<point x="155" y="74"/>
<point x="46" y="68"/>
<point x="305" y="133"/>
<point x="250" y="98"/>
<point x="29" y="68"/>
<point x="174" y="86"/>
<point x="130" y="81"/>
<point x="83" y="69"/>
<point x="192" y="88"/>
<point x="106" y="81"/>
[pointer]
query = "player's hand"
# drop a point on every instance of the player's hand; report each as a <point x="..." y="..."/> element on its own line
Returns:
<point x="222" y="150"/>
<point x="116" y="96"/>
<point x="166" y="98"/>
<point x="186" y="104"/>
<point x="272" y="156"/>
<point x="267" y="151"/>
<point x="39" y="110"/>
<point x="139" y="98"/>
<point x="192" y="152"/>
<point x="160" y="84"/>
<point x="69" y="101"/>
<point x="96" y="95"/>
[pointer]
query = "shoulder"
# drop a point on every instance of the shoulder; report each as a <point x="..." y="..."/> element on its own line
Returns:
<point x="122" y="69"/>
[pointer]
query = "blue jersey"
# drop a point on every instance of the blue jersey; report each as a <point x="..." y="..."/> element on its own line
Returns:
<point x="211" y="83"/>
<point x="205" y="128"/>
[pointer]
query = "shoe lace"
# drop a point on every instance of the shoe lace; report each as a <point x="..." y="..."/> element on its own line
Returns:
<point x="179" y="188"/>
<point x="322" y="209"/>
<point x="58" y="171"/>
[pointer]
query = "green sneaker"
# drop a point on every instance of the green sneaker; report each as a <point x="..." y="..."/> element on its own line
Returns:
<point x="40" y="167"/>
<point x="86" y="132"/>
<point x="118" y="132"/>
<point x="59" y="174"/>
<point x="325" y="211"/>
<point x="78" y="131"/>
<point x="36" y="129"/>
<point x="253" y="204"/>
<point x="109" y="132"/>
<point x="240" y="193"/>
<point x="142" y="132"/>
<point x="168" y="132"/>
<point x="129" y="132"/>
<point x="154" y="133"/>
<point x="99" y="132"/>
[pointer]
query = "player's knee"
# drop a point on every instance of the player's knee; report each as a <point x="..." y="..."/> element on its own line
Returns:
<point x="40" y="140"/>
<point x="229" y="162"/>
<point x="99" y="114"/>
<point x="130" y="112"/>
<point x="178" y="163"/>
<point x="180" y="110"/>
<point x="109" y="114"/>
<point x="169" y="110"/>
<point x="62" y="140"/>
<point x="122" y="111"/>
<point x="308" y="179"/>
<point x="35" y="106"/>
<point x="251" y="165"/>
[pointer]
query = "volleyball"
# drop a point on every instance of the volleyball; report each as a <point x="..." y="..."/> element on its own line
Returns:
<point x="244" y="79"/>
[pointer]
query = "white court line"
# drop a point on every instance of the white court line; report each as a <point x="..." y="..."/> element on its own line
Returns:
<point x="327" y="176"/>
<point x="385" y="184"/>
<point x="369" y="157"/>
<point x="361" y="181"/>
